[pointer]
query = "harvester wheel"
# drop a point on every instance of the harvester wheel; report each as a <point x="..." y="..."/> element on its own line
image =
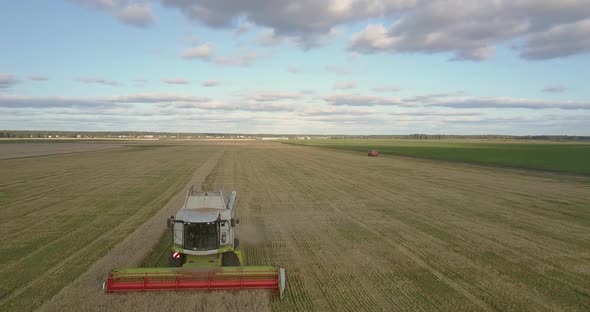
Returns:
<point x="230" y="259"/>
<point x="174" y="262"/>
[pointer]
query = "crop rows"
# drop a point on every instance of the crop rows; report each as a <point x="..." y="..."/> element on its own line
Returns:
<point x="379" y="234"/>
<point x="62" y="213"/>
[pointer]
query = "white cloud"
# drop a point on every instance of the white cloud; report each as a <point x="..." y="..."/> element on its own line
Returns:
<point x="178" y="81"/>
<point x="345" y="85"/>
<point x="305" y="21"/>
<point x="100" y="81"/>
<point x="359" y="100"/>
<point x="471" y="30"/>
<point x="267" y="37"/>
<point x="339" y="69"/>
<point x="241" y="59"/>
<point x="156" y="98"/>
<point x="271" y="96"/>
<point x="132" y="13"/>
<point x="136" y="14"/>
<point x="453" y="100"/>
<point x="7" y="81"/>
<point x="203" y="51"/>
<point x="372" y="38"/>
<point x="383" y="89"/>
<point x="210" y="83"/>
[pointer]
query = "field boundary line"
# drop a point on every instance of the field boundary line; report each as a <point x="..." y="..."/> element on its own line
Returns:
<point x="522" y="170"/>
<point x="65" y="153"/>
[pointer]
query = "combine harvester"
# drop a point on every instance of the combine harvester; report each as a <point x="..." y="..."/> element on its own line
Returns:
<point x="205" y="254"/>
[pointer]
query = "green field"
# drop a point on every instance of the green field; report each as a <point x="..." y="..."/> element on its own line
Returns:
<point x="551" y="156"/>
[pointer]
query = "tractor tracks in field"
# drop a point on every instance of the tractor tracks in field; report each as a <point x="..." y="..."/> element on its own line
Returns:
<point x="127" y="252"/>
<point x="482" y="288"/>
<point x="480" y="292"/>
<point x="375" y="190"/>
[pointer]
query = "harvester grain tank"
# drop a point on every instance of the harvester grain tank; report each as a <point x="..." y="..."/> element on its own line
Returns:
<point x="373" y="153"/>
<point x="205" y="254"/>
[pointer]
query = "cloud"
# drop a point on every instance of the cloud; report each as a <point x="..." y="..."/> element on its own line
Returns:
<point x="554" y="89"/>
<point x="38" y="78"/>
<point x="242" y="28"/>
<point x="294" y="69"/>
<point x="453" y="100"/>
<point x="203" y="51"/>
<point x="137" y="14"/>
<point x="472" y="30"/>
<point x="359" y="100"/>
<point x="306" y="21"/>
<point x="331" y="111"/>
<point x="340" y="70"/>
<point x="241" y="59"/>
<point x="558" y="41"/>
<point x="100" y="81"/>
<point x="504" y="102"/>
<point x="156" y="98"/>
<point x="345" y="85"/>
<point x="51" y="102"/>
<point x="267" y="37"/>
<point x="271" y="96"/>
<point x="469" y="30"/>
<point x="210" y="83"/>
<point x="384" y="89"/>
<point x="162" y="101"/>
<point x="428" y="97"/>
<point x="371" y="39"/>
<point x="7" y="81"/>
<point x="177" y="81"/>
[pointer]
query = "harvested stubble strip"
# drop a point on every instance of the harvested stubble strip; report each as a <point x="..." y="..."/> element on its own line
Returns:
<point x="85" y="293"/>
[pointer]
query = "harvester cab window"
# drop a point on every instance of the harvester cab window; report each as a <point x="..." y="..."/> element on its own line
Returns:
<point x="201" y="236"/>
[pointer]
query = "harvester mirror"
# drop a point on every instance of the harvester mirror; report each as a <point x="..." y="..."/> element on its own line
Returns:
<point x="232" y="221"/>
<point x="237" y="221"/>
<point x="170" y="222"/>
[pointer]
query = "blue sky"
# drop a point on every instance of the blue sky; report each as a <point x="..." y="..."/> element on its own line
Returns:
<point x="325" y="67"/>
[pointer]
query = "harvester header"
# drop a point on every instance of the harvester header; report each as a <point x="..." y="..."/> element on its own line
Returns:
<point x="205" y="254"/>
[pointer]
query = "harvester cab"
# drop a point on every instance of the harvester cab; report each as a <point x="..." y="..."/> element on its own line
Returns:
<point x="205" y="254"/>
<point x="204" y="231"/>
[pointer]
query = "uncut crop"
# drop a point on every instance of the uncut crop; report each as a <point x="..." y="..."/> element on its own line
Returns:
<point x="551" y="156"/>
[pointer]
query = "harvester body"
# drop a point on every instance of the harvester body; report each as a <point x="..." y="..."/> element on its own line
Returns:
<point x="204" y="232"/>
<point x="205" y="254"/>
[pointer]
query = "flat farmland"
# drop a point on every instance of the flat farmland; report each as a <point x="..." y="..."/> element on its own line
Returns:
<point x="19" y="150"/>
<point x="354" y="233"/>
<point x="570" y="157"/>
<point x="60" y="213"/>
<point x="401" y="234"/>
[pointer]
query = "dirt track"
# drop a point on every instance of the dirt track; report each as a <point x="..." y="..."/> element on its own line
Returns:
<point x="389" y="233"/>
